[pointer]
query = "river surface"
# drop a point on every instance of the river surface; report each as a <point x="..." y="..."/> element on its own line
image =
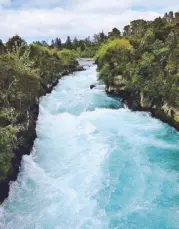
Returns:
<point x="95" y="165"/>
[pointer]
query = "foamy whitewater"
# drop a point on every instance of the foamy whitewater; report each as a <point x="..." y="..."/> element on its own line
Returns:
<point x="95" y="165"/>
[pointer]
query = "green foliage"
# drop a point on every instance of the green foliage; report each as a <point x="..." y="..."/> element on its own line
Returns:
<point x="57" y="44"/>
<point x="114" y="34"/>
<point x="68" y="44"/>
<point x="68" y="54"/>
<point x="110" y="58"/>
<point x="19" y="79"/>
<point x="26" y="72"/>
<point x="7" y="116"/>
<point x="2" y="47"/>
<point x="15" y="42"/>
<point x="112" y="46"/>
<point x="105" y="75"/>
<point x="146" y="60"/>
<point x="7" y="143"/>
<point x="147" y="40"/>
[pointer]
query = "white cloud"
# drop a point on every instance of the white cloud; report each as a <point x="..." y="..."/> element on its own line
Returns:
<point x="39" y="3"/>
<point x="79" y="19"/>
<point x="103" y="5"/>
<point x="5" y="2"/>
<point x="156" y="3"/>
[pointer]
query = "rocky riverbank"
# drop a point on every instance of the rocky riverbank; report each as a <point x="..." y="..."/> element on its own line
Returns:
<point x="26" y="133"/>
<point x="142" y="67"/>
<point x="137" y="101"/>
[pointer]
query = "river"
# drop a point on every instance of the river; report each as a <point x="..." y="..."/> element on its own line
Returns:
<point x="95" y="165"/>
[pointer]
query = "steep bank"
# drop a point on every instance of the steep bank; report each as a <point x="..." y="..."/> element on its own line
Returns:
<point x="25" y="77"/>
<point x="25" y="136"/>
<point x="137" y="101"/>
<point x="143" y="67"/>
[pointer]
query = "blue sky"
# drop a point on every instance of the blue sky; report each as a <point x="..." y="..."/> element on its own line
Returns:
<point x="46" y="19"/>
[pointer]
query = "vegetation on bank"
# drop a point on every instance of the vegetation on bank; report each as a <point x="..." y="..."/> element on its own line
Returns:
<point x="26" y="73"/>
<point x="145" y="60"/>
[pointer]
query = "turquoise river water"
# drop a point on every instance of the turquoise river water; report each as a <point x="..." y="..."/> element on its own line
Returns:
<point x="95" y="165"/>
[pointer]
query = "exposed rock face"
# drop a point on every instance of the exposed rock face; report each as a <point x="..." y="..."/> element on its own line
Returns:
<point x="92" y="86"/>
<point x="172" y="115"/>
<point x="25" y="138"/>
<point x="139" y="101"/>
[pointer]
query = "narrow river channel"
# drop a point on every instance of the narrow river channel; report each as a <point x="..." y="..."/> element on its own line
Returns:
<point x="95" y="165"/>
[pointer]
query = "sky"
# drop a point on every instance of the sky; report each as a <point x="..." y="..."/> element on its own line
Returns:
<point x="47" y="19"/>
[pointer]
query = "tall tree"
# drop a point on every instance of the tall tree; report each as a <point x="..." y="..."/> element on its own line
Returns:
<point x="171" y="16"/>
<point x="44" y="43"/>
<point x="68" y="44"/>
<point x="138" y="27"/>
<point x="127" y="31"/>
<point x="99" y="38"/>
<point x="75" y="43"/>
<point x="15" y="42"/>
<point x="2" y="47"/>
<point x="52" y="44"/>
<point x="115" y="33"/>
<point x="58" y="43"/>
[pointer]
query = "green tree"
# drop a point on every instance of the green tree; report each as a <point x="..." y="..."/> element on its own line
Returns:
<point x="15" y="42"/>
<point x="114" y="34"/>
<point x="58" y="43"/>
<point x="127" y="31"/>
<point x="2" y="47"/>
<point x="68" y="44"/>
<point x="75" y="43"/>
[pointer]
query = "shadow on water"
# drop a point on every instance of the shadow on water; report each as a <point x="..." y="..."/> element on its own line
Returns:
<point x="100" y="100"/>
<point x="93" y="99"/>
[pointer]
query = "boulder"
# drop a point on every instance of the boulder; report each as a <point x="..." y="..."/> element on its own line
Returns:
<point x="92" y="86"/>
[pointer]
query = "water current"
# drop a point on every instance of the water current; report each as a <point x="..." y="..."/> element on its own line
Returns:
<point x="95" y="165"/>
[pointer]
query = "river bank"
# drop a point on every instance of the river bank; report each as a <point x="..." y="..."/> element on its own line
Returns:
<point x="137" y="101"/>
<point x="26" y="132"/>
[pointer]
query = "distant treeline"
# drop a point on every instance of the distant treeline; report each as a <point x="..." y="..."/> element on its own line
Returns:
<point x="81" y="47"/>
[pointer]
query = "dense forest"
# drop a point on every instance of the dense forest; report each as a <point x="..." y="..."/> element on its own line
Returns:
<point x="141" y="64"/>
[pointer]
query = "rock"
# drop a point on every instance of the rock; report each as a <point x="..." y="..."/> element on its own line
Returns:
<point x="80" y="68"/>
<point x="138" y="101"/>
<point x="92" y="86"/>
<point x="172" y="113"/>
<point x="4" y="185"/>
